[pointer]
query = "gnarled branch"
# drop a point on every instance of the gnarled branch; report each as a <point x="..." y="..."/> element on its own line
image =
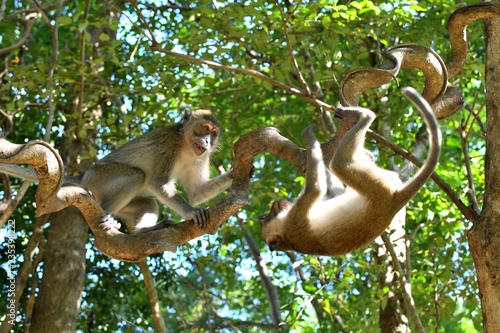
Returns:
<point x="445" y="99"/>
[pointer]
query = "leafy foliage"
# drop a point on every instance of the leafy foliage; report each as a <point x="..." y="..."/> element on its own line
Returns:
<point x="128" y="89"/>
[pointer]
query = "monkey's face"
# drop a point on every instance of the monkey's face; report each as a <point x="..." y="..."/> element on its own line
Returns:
<point x="204" y="137"/>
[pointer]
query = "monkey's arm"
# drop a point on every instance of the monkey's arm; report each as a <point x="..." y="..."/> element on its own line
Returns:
<point x="167" y="194"/>
<point x="316" y="173"/>
<point x="334" y="186"/>
<point x="210" y="188"/>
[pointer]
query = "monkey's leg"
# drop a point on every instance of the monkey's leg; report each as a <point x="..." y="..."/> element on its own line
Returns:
<point x="113" y="185"/>
<point x="350" y="163"/>
<point x="141" y="214"/>
<point x="334" y="186"/>
<point x="316" y="178"/>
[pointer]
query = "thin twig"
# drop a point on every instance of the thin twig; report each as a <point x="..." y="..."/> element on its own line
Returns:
<point x="471" y="193"/>
<point x="300" y="77"/>
<point x="468" y="212"/>
<point x="42" y="13"/>
<point x="13" y="203"/>
<point x="81" y="88"/>
<point x="28" y="22"/>
<point x="215" y="65"/>
<point x="55" y="55"/>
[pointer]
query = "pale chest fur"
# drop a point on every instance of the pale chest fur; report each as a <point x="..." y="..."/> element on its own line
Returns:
<point x="335" y="212"/>
<point x="190" y="171"/>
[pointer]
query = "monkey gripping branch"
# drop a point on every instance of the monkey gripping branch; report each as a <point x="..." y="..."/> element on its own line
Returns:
<point x="56" y="192"/>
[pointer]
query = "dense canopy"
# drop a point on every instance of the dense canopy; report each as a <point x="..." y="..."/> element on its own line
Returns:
<point x="87" y="76"/>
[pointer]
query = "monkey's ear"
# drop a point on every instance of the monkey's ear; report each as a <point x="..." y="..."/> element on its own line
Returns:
<point x="187" y="115"/>
<point x="275" y="243"/>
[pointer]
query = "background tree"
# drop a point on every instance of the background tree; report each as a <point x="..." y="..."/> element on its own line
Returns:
<point x="82" y="76"/>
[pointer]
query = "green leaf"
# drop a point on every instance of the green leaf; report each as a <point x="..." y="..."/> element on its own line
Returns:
<point x="104" y="37"/>
<point x="64" y="20"/>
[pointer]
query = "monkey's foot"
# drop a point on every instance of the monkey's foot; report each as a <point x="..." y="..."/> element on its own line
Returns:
<point x="351" y="115"/>
<point x="201" y="217"/>
<point x="109" y="222"/>
<point x="308" y="134"/>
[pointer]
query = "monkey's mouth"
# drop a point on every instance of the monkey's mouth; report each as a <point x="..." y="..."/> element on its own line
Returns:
<point x="198" y="149"/>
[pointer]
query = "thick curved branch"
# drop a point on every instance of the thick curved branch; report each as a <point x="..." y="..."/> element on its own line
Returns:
<point x="397" y="58"/>
<point x="457" y="26"/>
<point x="445" y="100"/>
<point x="45" y="161"/>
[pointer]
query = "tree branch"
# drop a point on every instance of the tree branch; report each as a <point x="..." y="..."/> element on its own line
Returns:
<point x="28" y="22"/>
<point x="8" y="207"/>
<point x="284" y="21"/>
<point x="215" y="65"/>
<point x="457" y="27"/>
<point x="270" y="289"/>
<point x="405" y="285"/>
<point x="468" y="212"/>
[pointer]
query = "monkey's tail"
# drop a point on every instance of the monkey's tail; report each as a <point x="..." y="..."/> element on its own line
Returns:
<point x="411" y="187"/>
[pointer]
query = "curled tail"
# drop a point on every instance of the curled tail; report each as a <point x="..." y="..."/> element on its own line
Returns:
<point x="410" y="188"/>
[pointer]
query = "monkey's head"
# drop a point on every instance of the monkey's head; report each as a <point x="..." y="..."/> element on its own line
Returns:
<point x="272" y="225"/>
<point x="201" y="130"/>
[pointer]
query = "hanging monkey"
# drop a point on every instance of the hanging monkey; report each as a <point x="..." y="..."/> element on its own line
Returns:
<point x="373" y="197"/>
<point x="123" y="181"/>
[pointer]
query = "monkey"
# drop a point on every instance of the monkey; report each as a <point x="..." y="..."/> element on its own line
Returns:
<point x="372" y="198"/>
<point x="125" y="181"/>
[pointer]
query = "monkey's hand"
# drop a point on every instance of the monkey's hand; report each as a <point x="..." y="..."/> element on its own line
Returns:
<point x="308" y="134"/>
<point x="200" y="216"/>
<point x="109" y="222"/>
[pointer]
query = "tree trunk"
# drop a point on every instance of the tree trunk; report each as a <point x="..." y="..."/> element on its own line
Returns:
<point x="58" y="303"/>
<point x="484" y="238"/>
<point x="392" y="316"/>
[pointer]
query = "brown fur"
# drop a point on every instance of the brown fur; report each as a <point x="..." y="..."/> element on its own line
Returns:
<point x="124" y="181"/>
<point x="373" y="196"/>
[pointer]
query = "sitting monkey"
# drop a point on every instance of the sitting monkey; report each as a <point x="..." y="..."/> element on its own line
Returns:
<point x="373" y="196"/>
<point x="124" y="181"/>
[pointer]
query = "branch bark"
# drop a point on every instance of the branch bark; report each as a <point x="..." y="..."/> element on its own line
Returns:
<point x="484" y="237"/>
<point x="271" y="291"/>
